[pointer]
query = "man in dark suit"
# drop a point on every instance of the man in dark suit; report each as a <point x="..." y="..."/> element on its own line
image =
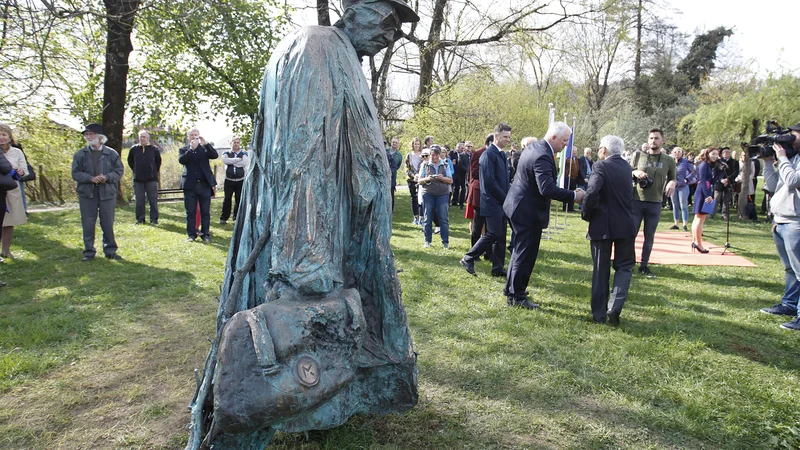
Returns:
<point x="586" y="165"/>
<point x="197" y="182"/>
<point x="608" y="207"/>
<point x="528" y="208"/>
<point x="494" y="187"/>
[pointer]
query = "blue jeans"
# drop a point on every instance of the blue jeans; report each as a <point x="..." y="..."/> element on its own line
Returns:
<point x="680" y="203"/>
<point x="787" y="241"/>
<point x="436" y="204"/>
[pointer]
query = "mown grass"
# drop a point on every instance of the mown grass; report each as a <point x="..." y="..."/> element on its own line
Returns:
<point x="100" y="355"/>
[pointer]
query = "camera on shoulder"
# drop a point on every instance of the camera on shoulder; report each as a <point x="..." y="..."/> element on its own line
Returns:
<point x="761" y="146"/>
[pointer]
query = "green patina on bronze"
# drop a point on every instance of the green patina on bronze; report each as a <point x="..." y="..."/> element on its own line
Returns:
<point x="311" y="327"/>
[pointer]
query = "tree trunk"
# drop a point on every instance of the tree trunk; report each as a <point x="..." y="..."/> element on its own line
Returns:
<point x="323" y="13"/>
<point x="427" y="53"/>
<point x="637" y="66"/>
<point x="120" y="15"/>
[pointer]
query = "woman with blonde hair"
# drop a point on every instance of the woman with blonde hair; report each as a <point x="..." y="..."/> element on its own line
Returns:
<point x="413" y="160"/>
<point x="704" y="194"/>
<point x="16" y="209"/>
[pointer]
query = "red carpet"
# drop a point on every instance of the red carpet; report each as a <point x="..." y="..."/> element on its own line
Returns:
<point x="676" y="248"/>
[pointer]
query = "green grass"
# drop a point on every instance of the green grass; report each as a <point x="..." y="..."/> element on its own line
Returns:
<point x="101" y="354"/>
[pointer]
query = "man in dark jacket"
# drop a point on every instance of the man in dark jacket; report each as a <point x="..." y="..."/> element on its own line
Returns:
<point x="461" y="163"/>
<point x="528" y="208"/>
<point x="586" y="165"/>
<point x="723" y="189"/>
<point x="197" y="183"/>
<point x="97" y="170"/>
<point x="494" y="187"/>
<point x="609" y="211"/>
<point x="144" y="160"/>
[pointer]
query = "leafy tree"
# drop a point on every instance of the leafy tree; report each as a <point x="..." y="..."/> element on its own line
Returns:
<point x="697" y="65"/>
<point x="205" y="50"/>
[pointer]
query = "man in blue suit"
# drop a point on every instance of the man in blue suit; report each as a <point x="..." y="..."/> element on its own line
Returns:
<point x="197" y="183"/>
<point x="528" y="208"/>
<point x="608" y="208"/>
<point x="494" y="187"/>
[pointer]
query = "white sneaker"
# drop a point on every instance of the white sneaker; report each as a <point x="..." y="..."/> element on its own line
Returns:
<point x="437" y="230"/>
<point x="426" y="245"/>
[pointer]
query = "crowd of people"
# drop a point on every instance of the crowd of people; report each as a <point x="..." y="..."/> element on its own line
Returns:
<point x="97" y="171"/>
<point x="618" y="191"/>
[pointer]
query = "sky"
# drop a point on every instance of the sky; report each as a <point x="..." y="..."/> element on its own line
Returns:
<point x="761" y="39"/>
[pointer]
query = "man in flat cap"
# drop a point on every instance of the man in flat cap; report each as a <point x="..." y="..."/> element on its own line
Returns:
<point x="97" y="170"/>
<point x="319" y="193"/>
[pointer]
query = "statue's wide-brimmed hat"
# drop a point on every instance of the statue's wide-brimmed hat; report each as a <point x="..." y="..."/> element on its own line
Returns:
<point x="401" y="6"/>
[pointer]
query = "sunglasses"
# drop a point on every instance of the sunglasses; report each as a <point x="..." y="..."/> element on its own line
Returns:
<point x="425" y="156"/>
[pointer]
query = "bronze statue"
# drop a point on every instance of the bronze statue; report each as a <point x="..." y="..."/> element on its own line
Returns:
<point x="311" y="327"/>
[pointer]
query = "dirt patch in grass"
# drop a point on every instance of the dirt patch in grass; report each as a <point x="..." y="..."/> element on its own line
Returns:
<point x="132" y="395"/>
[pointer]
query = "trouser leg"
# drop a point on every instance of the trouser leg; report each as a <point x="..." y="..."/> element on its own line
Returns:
<point x="523" y="259"/>
<point x="651" y="214"/>
<point x="237" y="193"/>
<point x="190" y="204"/>
<point x="412" y="190"/>
<point x="107" y="209"/>
<point x="477" y="227"/>
<point x="601" y="271"/>
<point x="444" y="220"/>
<point x="226" y="202"/>
<point x="139" y="191"/>
<point x="203" y="193"/>
<point x="151" y="188"/>
<point x="89" y="208"/>
<point x="624" y="260"/>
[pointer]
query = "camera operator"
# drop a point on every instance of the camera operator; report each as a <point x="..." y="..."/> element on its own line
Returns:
<point x="654" y="174"/>
<point x="723" y="189"/>
<point x="785" y="208"/>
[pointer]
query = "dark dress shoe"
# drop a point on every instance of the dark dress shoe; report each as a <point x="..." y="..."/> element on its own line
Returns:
<point x="207" y="239"/>
<point x="468" y="266"/>
<point x="613" y="318"/>
<point x="87" y="258"/>
<point x="521" y="303"/>
<point x="114" y="257"/>
<point x="191" y="238"/>
<point x="2" y="283"/>
<point x="508" y="294"/>
<point x="499" y="274"/>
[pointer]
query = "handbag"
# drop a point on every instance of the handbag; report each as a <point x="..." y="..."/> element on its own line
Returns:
<point x="7" y="183"/>
<point x="30" y="176"/>
<point x="708" y="208"/>
<point x="281" y="360"/>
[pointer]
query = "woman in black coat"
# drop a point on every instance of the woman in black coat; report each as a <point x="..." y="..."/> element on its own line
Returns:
<point x="5" y="169"/>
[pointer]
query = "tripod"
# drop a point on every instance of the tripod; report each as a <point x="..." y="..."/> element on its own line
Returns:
<point x="727" y="197"/>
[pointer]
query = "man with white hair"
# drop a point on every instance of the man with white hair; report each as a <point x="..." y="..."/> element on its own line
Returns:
<point x="144" y="160"/>
<point x="609" y="211"/>
<point x="527" y="206"/>
<point x="97" y="170"/>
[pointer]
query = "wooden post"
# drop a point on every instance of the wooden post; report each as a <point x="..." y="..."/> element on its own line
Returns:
<point x="42" y="187"/>
<point x="60" y="189"/>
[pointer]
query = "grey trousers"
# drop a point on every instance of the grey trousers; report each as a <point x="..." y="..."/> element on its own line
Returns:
<point x="150" y="190"/>
<point x="624" y="260"/>
<point x="90" y="207"/>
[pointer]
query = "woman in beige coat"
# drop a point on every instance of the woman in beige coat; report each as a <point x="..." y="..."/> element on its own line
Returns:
<point x="16" y="211"/>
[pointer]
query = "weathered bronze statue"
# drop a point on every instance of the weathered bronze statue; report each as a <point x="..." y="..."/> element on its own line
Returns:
<point x="311" y="327"/>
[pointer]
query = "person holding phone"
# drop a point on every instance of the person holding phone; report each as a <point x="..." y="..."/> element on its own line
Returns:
<point x="197" y="183"/>
<point x="435" y="179"/>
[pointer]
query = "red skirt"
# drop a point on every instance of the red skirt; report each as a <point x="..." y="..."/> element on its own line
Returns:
<point x="470" y="212"/>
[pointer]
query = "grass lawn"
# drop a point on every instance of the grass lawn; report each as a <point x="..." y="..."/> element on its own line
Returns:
<point x="102" y="354"/>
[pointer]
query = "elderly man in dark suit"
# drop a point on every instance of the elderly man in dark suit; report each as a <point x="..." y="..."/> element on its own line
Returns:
<point x="528" y="208"/>
<point x="609" y="211"/>
<point x="586" y="165"/>
<point x="494" y="187"/>
<point x="197" y="183"/>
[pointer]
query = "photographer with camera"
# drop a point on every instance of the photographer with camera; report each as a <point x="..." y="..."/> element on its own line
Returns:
<point x="785" y="208"/>
<point x="723" y="189"/>
<point x="654" y="174"/>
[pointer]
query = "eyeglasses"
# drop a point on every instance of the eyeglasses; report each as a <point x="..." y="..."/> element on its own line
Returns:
<point x="425" y="156"/>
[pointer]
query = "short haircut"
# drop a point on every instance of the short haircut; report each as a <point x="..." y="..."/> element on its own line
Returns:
<point x="502" y="126"/>
<point x="656" y="130"/>
<point x="614" y="145"/>
<point x="428" y="140"/>
<point x="527" y="140"/>
<point x="489" y="139"/>
<point x="141" y="132"/>
<point x="555" y="129"/>
<point x="192" y="129"/>
<point x="435" y="149"/>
